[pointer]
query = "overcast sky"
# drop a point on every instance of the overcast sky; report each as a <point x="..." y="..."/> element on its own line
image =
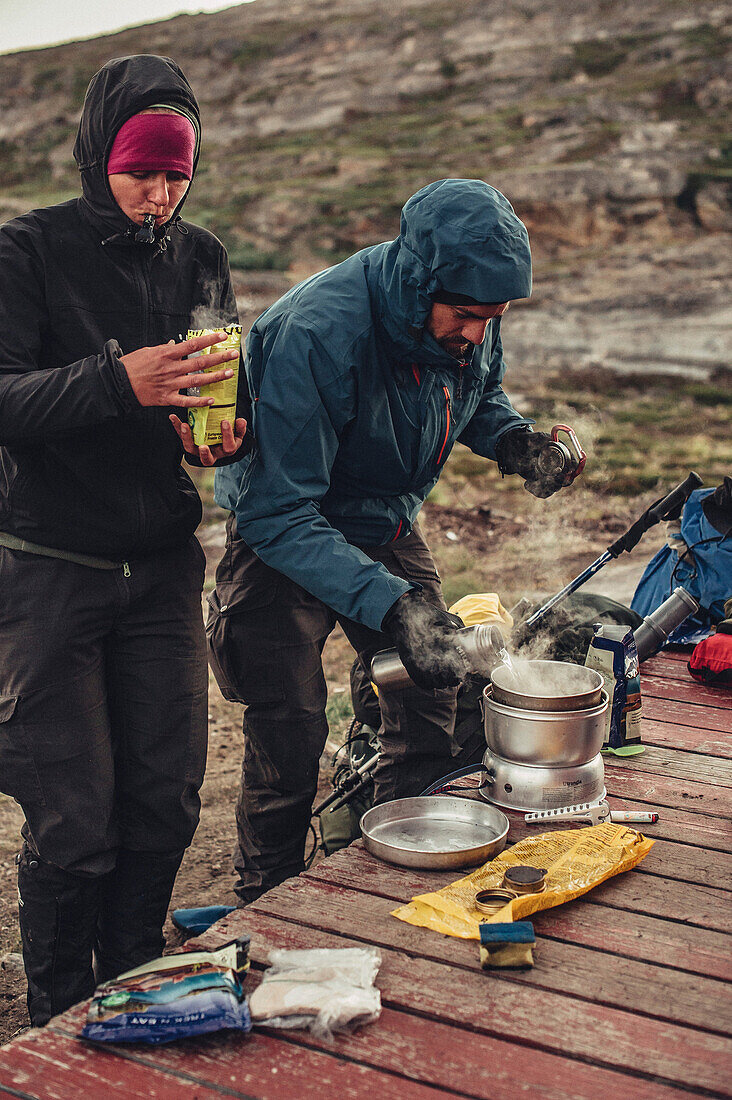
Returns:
<point x="33" y="23"/>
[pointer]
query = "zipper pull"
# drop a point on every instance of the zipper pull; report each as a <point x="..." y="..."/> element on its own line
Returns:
<point x="126" y="571"/>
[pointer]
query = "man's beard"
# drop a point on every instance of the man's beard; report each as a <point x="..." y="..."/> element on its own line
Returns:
<point x="458" y="349"/>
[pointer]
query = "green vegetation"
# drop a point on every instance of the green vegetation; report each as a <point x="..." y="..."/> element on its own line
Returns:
<point x="255" y="49"/>
<point x="339" y="713"/>
<point x="683" y="423"/>
<point x="707" y="41"/>
<point x="600" y="57"/>
<point x="244" y="256"/>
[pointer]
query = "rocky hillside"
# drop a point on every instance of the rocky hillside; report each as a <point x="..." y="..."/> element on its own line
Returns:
<point x="602" y="120"/>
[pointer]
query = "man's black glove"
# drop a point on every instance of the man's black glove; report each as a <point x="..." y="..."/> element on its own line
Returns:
<point x="532" y="456"/>
<point x="424" y="636"/>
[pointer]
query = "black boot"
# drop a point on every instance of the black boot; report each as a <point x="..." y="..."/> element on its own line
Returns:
<point x="134" y="905"/>
<point x="58" y="919"/>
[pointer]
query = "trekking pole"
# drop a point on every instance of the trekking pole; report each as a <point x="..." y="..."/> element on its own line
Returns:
<point x="661" y="510"/>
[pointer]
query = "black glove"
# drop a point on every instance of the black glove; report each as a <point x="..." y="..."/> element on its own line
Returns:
<point x="424" y="636"/>
<point x="532" y="456"/>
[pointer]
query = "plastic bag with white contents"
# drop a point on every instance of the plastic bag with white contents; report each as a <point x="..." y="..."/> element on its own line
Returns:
<point x="323" y="989"/>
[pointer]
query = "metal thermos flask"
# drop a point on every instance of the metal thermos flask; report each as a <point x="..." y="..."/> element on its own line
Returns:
<point x="479" y="646"/>
<point x="656" y="627"/>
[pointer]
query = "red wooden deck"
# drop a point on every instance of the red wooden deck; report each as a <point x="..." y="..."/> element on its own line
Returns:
<point x="630" y="995"/>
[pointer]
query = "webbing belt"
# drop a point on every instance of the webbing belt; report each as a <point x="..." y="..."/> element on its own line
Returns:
<point x="12" y="542"/>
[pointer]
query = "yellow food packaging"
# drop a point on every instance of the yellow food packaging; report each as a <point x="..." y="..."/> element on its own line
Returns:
<point x="576" y="860"/>
<point x="205" y="422"/>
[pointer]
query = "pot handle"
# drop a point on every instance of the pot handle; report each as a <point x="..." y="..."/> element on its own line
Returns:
<point x="443" y="784"/>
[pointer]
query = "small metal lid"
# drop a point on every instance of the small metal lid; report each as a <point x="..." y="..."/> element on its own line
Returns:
<point x="525" y="879"/>
<point x="491" y="901"/>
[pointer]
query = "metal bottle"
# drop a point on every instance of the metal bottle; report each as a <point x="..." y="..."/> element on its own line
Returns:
<point x="479" y="646"/>
<point x="656" y="627"/>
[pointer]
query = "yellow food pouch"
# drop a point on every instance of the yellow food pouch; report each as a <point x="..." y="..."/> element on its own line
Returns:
<point x="205" y="422"/>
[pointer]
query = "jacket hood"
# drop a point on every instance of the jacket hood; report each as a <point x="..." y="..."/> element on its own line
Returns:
<point x="122" y="88"/>
<point x="460" y="236"/>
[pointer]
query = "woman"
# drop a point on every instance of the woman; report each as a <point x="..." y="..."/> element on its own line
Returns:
<point x="102" y="659"/>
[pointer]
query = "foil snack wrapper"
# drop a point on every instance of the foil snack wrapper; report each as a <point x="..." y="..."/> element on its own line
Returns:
<point x="205" y="422"/>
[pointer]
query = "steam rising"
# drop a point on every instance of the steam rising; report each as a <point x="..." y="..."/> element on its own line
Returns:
<point x="207" y="314"/>
<point x="551" y="679"/>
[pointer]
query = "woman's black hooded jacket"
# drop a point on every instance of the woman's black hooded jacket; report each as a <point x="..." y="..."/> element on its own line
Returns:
<point x="83" y="467"/>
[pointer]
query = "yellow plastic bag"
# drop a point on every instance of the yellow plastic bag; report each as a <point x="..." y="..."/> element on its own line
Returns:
<point x="575" y="861"/>
<point x="482" y="607"/>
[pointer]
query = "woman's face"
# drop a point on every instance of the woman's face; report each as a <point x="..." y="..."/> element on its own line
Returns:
<point x="141" y="193"/>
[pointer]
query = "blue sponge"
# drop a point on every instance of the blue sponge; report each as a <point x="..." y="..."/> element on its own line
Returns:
<point x="506" y="945"/>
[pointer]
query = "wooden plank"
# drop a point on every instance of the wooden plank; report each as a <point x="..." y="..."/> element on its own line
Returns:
<point x="666" y="664"/>
<point x="698" y="830"/>
<point x="667" y="943"/>
<point x="667" y="656"/>
<point x="699" y="906"/>
<point x="562" y="967"/>
<point x="673" y="710"/>
<point x="626" y="780"/>
<point x="268" y="1065"/>
<point x="685" y="738"/>
<point x="681" y="765"/>
<point x="684" y="689"/>
<point x="50" y="1067"/>
<point x="436" y="1053"/>
<point x="507" y="1009"/>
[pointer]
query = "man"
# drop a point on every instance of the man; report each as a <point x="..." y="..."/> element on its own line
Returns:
<point x="362" y="377"/>
<point x="103" y="677"/>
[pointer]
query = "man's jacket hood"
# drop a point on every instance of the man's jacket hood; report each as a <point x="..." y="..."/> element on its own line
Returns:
<point x="456" y="235"/>
<point x="122" y="88"/>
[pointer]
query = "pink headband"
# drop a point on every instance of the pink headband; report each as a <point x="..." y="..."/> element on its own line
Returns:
<point x="154" y="143"/>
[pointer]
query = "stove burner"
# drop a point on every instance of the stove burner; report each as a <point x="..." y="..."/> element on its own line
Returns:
<point x="527" y="787"/>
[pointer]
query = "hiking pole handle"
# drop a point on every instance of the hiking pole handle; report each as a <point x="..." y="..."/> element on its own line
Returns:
<point x="676" y="498"/>
<point x="660" y="510"/>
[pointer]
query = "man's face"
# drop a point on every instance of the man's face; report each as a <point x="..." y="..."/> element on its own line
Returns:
<point x="458" y="329"/>
<point x="141" y="193"/>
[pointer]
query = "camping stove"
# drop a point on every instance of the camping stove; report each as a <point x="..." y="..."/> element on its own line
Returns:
<point x="528" y="787"/>
<point x="544" y="728"/>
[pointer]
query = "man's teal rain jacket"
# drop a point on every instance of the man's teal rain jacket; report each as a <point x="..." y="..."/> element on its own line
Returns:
<point x="356" y="407"/>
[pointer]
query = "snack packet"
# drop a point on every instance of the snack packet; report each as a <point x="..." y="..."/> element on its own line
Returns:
<point x="205" y="422"/>
<point x="173" y="997"/>
<point x="613" y="654"/>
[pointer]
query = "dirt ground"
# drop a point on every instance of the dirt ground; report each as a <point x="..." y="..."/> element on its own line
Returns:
<point x="512" y="547"/>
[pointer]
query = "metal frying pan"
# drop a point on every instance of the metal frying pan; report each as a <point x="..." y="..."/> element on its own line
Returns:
<point x="435" y="834"/>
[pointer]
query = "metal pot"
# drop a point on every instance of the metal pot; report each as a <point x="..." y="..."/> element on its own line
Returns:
<point x="544" y="738"/>
<point x="573" y="687"/>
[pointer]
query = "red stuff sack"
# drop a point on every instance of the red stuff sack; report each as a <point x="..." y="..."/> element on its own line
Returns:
<point x="711" y="660"/>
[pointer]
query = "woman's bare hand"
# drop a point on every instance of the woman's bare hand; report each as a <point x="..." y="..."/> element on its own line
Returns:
<point x="232" y="440"/>
<point x="158" y="374"/>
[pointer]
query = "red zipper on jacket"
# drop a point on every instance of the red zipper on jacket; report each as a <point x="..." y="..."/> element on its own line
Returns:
<point x="447" y="426"/>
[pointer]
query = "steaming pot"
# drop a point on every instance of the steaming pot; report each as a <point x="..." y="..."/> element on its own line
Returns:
<point x="551" y="716"/>
<point x="547" y="685"/>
